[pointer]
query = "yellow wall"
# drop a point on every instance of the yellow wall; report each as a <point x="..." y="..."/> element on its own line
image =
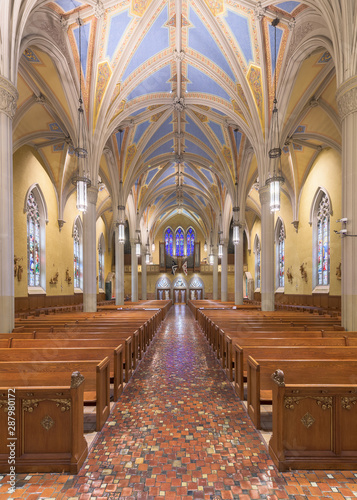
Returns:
<point x="28" y="170"/>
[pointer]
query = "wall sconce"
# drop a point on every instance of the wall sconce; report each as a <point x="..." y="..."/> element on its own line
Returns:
<point x="121" y="225"/>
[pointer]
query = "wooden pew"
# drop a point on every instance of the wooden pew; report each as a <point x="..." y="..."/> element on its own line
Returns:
<point x="284" y="352"/>
<point x="115" y="356"/>
<point x="314" y="425"/>
<point x="229" y="354"/>
<point x="49" y="374"/>
<point x="48" y="427"/>
<point x="324" y="372"/>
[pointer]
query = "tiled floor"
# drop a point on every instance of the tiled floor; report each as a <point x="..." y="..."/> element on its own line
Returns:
<point x="179" y="432"/>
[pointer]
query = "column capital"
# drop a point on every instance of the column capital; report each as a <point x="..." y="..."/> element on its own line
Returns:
<point x="346" y="97"/>
<point x="92" y="194"/>
<point x="8" y="97"/>
<point x="264" y="195"/>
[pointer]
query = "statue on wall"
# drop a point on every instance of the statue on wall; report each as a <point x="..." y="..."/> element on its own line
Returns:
<point x="18" y="269"/>
<point x="303" y="272"/>
<point x="289" y="276"/>
<point x="338" y="271"/>
<point x="68" y="278"/>
<point x="54" y="280"/>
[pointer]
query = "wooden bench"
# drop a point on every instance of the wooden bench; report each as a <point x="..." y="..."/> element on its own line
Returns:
<point x="314" y="425"/>
<point x="57" y="353"/>
<point x="49" y="374"/>
<point x="326" y="371"/>
<point x="48" y="427"/>
<point x="284" y="352"/>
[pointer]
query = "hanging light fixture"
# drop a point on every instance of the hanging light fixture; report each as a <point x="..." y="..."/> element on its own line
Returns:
<point x="121" y="224"/>
<point x="275" y="151"/>
<point x="153" y="247"/>
<point x="220" y="246"/>
<point x="81" y="180"/>
<point x="211" y="256"/>
<point x="147" y="253"/>
<point x="138" y="245"/>
<point x="236" y="225"/>
<point x="205" y="246"/>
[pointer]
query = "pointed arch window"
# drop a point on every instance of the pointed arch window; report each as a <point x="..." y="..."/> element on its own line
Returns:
<point x="36" y="214"/>
<point x="257" y="263"/>
<point x="33" y="241"/>
<point x="169" y="241"/>
<point x="323" y="242"/>
<point x="280" y="254"/>
<point x="101" y="262"/>
<point x="190" y="238"/>
<point x="180" y="242"/>
<point x="77" y="253"/>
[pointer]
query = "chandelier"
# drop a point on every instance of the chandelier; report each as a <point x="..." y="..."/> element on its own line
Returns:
<point x="80" y="179"/>
<point x="275" y="151"/>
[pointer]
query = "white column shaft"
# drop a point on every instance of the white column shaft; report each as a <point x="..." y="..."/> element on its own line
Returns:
<point x="119" y="271"/>
<point x="7" y="303"/>
<point x="134" y="274"/>
<point x="238" y="270"/>
<point x="144" y="294"/>
<point x="267" y="252"/>
<point x="215" y="277"/>
<point x="224" y="273"/>
<point x="90" y="254"/>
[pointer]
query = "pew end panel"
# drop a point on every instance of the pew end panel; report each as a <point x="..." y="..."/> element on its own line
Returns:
<point x="102" y="392"/>
<point x="118" y="371"/>
<point x="253" y="391"/>
<point x="314" y="426"/>
<point x="48" y="428"/>
<point x="238" y="371"/>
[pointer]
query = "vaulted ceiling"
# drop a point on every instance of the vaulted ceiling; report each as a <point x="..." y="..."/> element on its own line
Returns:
<point x="177" y="98"/>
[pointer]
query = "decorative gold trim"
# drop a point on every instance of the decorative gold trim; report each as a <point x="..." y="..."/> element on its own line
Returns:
<point x="30" y="404"/>
<point x="290" y="402"/>
<point x="47" y="422"/>
<point x="4" y="403"/>
<point x="347" y="403"/>
<point x="324" y="402"/>
<point x="307" y="420"/>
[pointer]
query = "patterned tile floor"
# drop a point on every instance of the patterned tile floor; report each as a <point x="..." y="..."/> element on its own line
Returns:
<point x="179" y="432"/>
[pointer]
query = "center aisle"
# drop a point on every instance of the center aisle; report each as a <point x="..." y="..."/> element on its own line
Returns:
<point x="178" y="430"/>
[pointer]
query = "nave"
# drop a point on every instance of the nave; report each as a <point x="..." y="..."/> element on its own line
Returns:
<point x="179" y="431"/>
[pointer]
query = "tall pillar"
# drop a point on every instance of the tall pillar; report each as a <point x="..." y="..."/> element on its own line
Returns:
<point x="144" y="294"/>
<point x="134" y="273"/>
<point x="267" y="251"/>
<point x="119" y="271"/>
<point x="347" y="104"/>
<point x="8" y="99"/>
<point x="238" y="270"/>
<point x="90" y="253"/>
<point x="215" y="275"/>
<point x="224" y="271"/>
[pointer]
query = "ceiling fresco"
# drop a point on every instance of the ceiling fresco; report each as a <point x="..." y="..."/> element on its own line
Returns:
<point x="178" y="98"/>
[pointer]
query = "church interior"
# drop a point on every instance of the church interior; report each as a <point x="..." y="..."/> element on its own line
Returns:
<point x="170" y="170"/>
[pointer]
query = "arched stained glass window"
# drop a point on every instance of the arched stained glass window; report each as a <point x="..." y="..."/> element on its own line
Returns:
<point x="190" y="241"/>
<point x="169" y="241"/>
<point x="257" y="263"/>
<point x="180" y="242"/>
<point x="101" y="262"/>
<point x="76" y="256"/>
<point x="323" y="241"/>
<point x="33" y="241"/>
<point x="281" y="254"/>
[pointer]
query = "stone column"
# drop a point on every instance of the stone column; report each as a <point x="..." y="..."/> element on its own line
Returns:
<point x="215" y="275"/>
<point x="144" y="294"/>
<point x="90" y="252"/>
<point x="224" y="271"/>
<point x="238" y="270"/>
<point x="267" y="251"/>
<point x="8" y="99"/>
<point x="134" y="273"/>
<point x="346" y="97"/>
<point x="119" y="271"/>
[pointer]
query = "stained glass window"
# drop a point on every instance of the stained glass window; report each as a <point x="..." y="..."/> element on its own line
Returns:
<point x="190" y="241"/>
<point x="33" y="241"/>
<point x="76" y="257"/>
<point x="281" y="255"/>
<point x="180" y="242"/>
<point x="100" y="265"/>
<point x="323" y="242"/>
<point x="257" y="265"/>
<point x="169" y="239"/>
